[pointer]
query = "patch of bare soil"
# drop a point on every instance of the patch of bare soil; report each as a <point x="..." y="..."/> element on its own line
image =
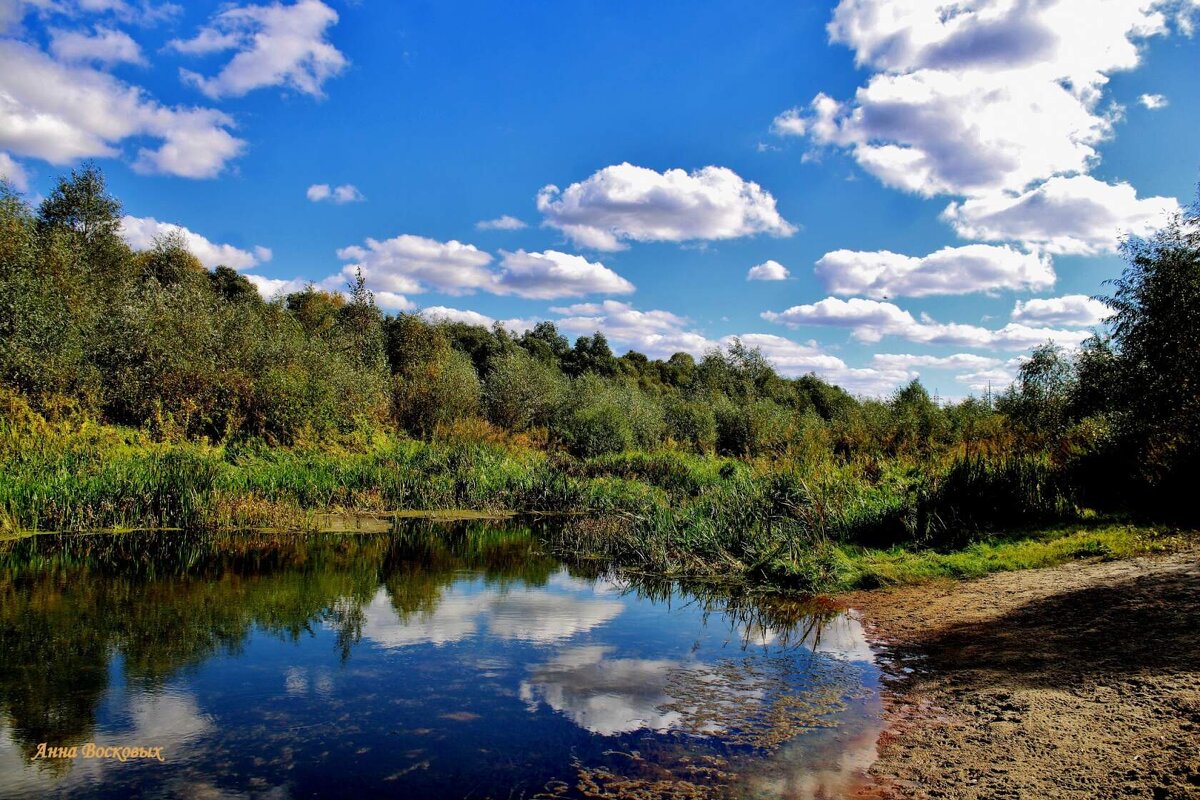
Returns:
<point x="1080" y="681"/>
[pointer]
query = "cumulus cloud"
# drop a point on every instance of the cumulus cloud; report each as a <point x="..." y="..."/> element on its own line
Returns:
<point x="13" y="172"/>
<point x="270" y="288"/>
<point x="657" y="333"/>
<point x="793" y="359"/>
<point x="951" y="270"/>
<point x="413" y="264"/>
<point x="1153" y="101"/>
<point x="106" y="46"/>
<point x="340" y="195"/>
<point x="277" y="45"/>
<point x="501" y="223"/>
<point x="936" y="132"/>
<point x="790" y="358"/>
<point x="957" y="361"/>
<point x="1072" y="310"/>
<point x="140" y="233"/>
<point x="1070" y="215"/>
<point x="980" y="97"/>
<point x="871" y="321"/>
<point x="515" y="325"/>
<point x="769" y="270"/>
<point x="458" y="315"/>
<point x="137" y="12"/>
<point x="988" y="101"/>
<point x="624" y="203"/>
<point x="61" y="113"/>
<point x="552" y="274"/>
<point x="410" y="264"/>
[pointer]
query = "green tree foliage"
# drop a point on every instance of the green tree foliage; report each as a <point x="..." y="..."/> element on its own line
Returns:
<point x="435" y="391"/>
<point x="1152" y="368"/>
<point x="156" y="341"/>
<point x="590" y="354"/>
<point x="522" y="391"/>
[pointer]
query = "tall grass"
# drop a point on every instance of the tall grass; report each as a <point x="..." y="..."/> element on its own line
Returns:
<point x="786" y="521"/>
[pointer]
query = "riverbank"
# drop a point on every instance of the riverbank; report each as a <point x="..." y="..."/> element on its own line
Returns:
<point x="805" y="525"/>
<point x="1075" y="681"/>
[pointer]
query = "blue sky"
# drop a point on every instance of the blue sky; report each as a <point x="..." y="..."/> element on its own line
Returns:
<point x="838" y="144"/>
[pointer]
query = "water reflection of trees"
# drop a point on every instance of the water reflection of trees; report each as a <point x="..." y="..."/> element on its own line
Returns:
<point x="164" y="601"/>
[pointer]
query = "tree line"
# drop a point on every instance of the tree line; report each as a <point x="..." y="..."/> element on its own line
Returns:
<point x="154" y="340"/>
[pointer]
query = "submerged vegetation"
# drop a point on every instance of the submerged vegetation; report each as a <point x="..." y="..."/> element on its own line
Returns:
<point x="140" y="389"/>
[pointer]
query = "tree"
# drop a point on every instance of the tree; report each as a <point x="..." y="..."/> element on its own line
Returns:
<point x="522" y="391"/>
<point x="360" y="327"/>
<point x="316" y="310"/>
<point x="81" y="203"/>
<point x="590" y="354"/>
<point x="232" y="287"/>
<point x="1156" y="337"/>
<point x="80" y="217"/>
<point x="545" y="343"/>
<point x="169" y="261"/>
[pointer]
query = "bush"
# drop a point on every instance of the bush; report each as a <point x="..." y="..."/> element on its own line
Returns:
<point x="435" y="392"/>
<point x="691" y="423"/>
<point x="522" y="392"/>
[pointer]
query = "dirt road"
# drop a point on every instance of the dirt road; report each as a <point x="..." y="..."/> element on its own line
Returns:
<point x="1080" y="681"/>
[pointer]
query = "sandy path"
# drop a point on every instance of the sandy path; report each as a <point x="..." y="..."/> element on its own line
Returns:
<point x="1081" y="681"/>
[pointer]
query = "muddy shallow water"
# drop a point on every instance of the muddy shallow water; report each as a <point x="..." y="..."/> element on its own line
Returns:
<point x="431" y="660"/>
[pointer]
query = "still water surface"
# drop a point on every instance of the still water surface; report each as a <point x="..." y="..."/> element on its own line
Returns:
<point x="427" y="661"/>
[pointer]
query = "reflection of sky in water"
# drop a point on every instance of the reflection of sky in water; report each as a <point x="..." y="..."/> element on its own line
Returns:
<point x="604" y="695"/>
<point x="465" y="610"/>
<point x="491" y="688"/>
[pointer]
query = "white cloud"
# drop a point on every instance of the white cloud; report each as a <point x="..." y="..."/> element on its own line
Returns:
<point x="977" y="373"/>
<point x="793" y="359"/>
<point x="277" y="45"/>
<point x="1070" y="215"/>
<point x="1153" y="101"/>
<point x="139" y="12"/>
<point x="957" y="361"/>
<point x="935" y="132"/>
<point x="987" y="100"/>
<point x="1072" y="310"/>
<point x="140" y="233"/>
<point x="951" y="270"/>
<point x="984" y="380"/>
<point x="656" y="333"/>
<point x="769" y="270"/>
<point x="871" y="320"/>
<point x="62" y="113"/>
<point x="516" y="325"/>
<point x="625" y="203"/>
<point x="408" y="264"/>
<point x="789" y="357"/>
<point x="394" y="301"/>
<point x="14" y="172"/>
<point x="552" y="274"/>
<point x="458" y="315"/>
<point x="979" y="97"/>
<point x="106" y="46"/>
<point x="501" y="223"/>
<point x="340" y="195"/>
<point x="270" y="288"/>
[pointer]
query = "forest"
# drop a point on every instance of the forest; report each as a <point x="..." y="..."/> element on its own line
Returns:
<point x="141" y="389"/>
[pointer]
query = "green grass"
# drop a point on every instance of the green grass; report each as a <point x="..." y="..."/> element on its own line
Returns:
<point x="801" y="525"/>
<point x="1035" y="549"/>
